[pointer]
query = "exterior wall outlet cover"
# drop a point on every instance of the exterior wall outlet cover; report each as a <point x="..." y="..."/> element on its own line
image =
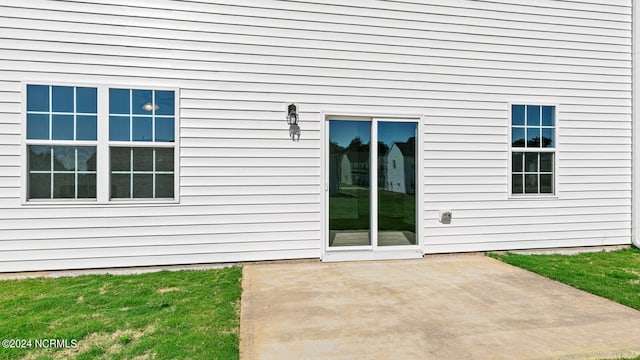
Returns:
<point x="445" y="216"/>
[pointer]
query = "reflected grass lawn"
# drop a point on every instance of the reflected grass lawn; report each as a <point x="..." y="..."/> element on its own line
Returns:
<point x="349" y="210"/>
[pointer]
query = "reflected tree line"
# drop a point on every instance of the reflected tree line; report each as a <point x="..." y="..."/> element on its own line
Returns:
<point x="350" y="164"/>
<point x="64" y="158"/>
<point x="534" y="142"/>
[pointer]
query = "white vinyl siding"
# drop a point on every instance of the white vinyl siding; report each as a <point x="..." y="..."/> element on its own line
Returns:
<point x="247" y="192"/>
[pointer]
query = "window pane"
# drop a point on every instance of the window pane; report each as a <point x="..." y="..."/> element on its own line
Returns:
<point x="86" y="127"/>
<point x="142" y="159"/>
<point x="142" y="127"/>
<point x="517" y="115"/>
<point x="531" y="184"/>
<point x="516" y="184"/>
<point x="62" y="98"/>
<point x="531" y="162"/>
<point x="164" y="186"/>
<point x="546" y="162"/>
<point x="39" y="158"/>
<point x="64" y="186"/>
<point x="533" y="137"/>
<point x="86" y="158"/>
<point x="516" y="162"/>
<point x="37" y="98"/>
<point x="142" y="102"/>
<point x="38" y="126"/>
<point x="86" y="186"/>
<point x="39" y="186"/>
<point x="62" y="127"/>
<point x="64" y="158"/>
<point x="120" y="185"/>
<point x="142" y="186"/>
<point x="165" y="129"/>
<point x="517" y="137"/>
<point x="165" y="104"/>
<point x="119" y="101"/>
<point x="119" y="128"/>
<point x="164" y="159"/>
<point x="533" y="115"/>
<point x="546" y="183"/>
<point x="86" y="100"/>
<point x="120" y="159"/>
<point x="548" y="116"/>
<point x="548" y="137"/>
<point x="349" y="182"/>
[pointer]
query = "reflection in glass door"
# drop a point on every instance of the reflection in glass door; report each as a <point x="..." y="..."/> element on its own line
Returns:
<point x="372" y="188"/>
<point x="349" y="185"/>
<point x="397" y="183"/>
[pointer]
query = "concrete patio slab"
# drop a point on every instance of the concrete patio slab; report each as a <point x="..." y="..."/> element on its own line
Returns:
<point x="440" y="307"/>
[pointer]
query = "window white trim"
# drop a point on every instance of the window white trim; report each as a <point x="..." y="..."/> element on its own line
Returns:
<point x="102" y="193"/>
<point x="511" y="150"/>
<point x="102" y="147"/>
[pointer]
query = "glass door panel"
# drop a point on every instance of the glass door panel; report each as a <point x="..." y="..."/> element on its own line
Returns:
<point x="396" y="193"/>
<point x="349" y="185"/>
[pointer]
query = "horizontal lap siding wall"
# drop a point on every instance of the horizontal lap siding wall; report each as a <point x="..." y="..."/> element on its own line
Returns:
<point x="247" y="192"/>
<point x="466" y="159"/>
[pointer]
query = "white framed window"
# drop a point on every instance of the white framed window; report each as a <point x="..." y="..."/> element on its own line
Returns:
<point x="99" y="144"/>
<point x="533" y="149"/>
<point x="61" y="139"/>
<point x="141" y="142"/>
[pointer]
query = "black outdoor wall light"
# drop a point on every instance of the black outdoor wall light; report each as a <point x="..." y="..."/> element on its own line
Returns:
<point x="292" y="120"/>
<point x="292" y="114"/>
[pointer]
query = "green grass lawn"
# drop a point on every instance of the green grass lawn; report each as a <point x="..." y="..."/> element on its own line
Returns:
<point x="164" y="315"/>
<point x="613" y="275"/>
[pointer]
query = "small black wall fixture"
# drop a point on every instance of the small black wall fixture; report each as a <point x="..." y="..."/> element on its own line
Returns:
<point x="292" y="120"/>
<point x="292" y="114"/>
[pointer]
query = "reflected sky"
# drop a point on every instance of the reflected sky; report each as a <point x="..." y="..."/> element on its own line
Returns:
<point x="343" y="131"/>
<point x="390" y="132"/>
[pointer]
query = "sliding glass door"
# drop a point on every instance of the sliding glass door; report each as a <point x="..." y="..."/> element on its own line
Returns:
<point x="372" y="188"/>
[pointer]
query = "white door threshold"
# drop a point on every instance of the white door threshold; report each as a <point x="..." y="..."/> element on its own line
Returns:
<point x="363" y="255"/>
